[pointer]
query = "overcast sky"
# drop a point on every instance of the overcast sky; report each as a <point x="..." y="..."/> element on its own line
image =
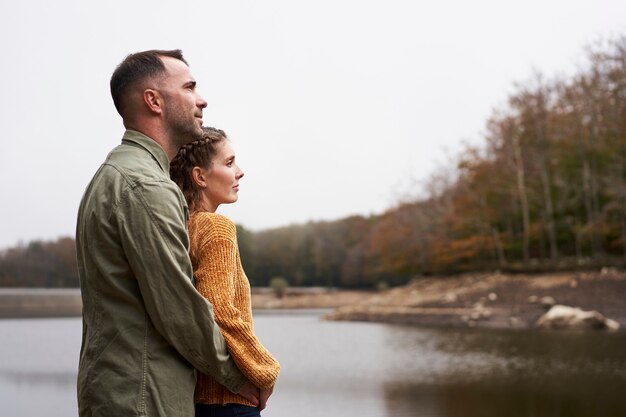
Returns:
<point x="333" y="107"/>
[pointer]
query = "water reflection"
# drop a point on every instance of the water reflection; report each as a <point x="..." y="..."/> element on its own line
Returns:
<point x="365" y="369"/>
<point x="497" y="400"/>
<point x="38" y="363"/>
<point x="467" y="373"/>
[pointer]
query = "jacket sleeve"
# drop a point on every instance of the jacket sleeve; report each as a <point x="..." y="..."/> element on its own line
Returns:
<point x="154" y="235"/>
<point x="216" y="278"/>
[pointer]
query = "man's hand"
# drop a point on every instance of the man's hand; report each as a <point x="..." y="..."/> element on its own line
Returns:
<point x="250" y="393"/>
<point x="265" y="395"/>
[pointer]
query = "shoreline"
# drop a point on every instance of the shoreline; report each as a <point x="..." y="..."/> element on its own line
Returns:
<point x="39" y="302"/>
<point x="490" y="300"/>
<point x="66" y="302"/>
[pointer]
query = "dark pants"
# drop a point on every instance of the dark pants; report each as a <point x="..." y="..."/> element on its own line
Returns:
<point x="228" y="410"/>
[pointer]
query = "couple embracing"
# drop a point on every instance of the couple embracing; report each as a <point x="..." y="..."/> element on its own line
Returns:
<point x="167" y="321"/>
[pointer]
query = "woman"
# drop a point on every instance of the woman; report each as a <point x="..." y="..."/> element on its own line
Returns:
<point x="208" y="175"/>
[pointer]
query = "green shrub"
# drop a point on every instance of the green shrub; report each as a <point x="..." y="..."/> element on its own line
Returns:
<point x="279" y="285"/>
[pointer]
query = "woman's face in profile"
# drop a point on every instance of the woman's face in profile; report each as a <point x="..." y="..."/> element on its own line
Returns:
<point x="223" y="176"/>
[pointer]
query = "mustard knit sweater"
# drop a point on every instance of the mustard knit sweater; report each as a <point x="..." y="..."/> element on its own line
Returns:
<point x="220" y="278"/>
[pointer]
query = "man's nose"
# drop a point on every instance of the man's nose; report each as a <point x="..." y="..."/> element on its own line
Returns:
<point x="200" y="102"/>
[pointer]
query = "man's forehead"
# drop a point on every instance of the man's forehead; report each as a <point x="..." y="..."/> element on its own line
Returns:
<point x="175" y="66"/>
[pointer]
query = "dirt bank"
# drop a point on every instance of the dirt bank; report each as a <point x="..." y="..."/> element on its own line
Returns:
<point x="491" y="299"/>
<point x="320" y="298"/>
<point x="51" y="302"/>
<point x="39" y="302"/>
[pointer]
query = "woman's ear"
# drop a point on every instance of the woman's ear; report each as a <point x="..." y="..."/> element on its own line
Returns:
<point x="198" y="175"/>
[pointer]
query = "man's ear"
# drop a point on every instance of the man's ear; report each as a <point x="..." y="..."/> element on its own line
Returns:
<point x="198" y="175"/>
<point x="153" y="100"/>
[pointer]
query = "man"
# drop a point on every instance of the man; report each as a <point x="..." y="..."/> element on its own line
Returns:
<point x="145" y="327"/>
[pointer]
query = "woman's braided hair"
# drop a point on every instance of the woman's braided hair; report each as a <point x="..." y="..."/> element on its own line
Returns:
<point x="198" y="153"/>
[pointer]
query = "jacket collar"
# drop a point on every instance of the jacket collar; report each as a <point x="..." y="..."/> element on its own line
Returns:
<point x="149" y="145"/>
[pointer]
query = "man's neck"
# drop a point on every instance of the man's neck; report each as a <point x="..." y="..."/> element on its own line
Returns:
<point x="158" y="136"/>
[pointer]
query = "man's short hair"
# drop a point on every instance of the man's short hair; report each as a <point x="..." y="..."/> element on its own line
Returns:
<point x="136" y="68"/>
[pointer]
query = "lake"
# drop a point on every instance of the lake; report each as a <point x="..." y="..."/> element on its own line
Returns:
<point x="364" y="369"/>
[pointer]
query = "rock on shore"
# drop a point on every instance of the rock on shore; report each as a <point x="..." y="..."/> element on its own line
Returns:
<point x="565" y="317"/>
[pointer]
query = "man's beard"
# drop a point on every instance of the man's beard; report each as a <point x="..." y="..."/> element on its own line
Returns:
<point x="181" y="129"/>
<point x="184" y="133"/>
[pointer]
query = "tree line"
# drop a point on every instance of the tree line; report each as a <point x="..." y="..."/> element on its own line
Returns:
<point x="545" y="191"/>
<point x="40" y="264"/>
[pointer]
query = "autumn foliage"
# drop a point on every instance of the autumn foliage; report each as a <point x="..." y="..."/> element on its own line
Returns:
<point x="546" y="191"/>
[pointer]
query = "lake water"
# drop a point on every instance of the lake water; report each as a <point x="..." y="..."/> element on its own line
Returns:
<point x="364" y="369"/>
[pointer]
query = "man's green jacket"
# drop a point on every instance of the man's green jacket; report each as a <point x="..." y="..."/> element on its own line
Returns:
<point x="145" y="327"/>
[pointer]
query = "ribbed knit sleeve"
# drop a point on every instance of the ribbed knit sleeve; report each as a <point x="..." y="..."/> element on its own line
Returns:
<point x="221" y="279"/>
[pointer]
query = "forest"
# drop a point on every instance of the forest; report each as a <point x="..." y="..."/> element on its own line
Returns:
<point x="545" y="191"/>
